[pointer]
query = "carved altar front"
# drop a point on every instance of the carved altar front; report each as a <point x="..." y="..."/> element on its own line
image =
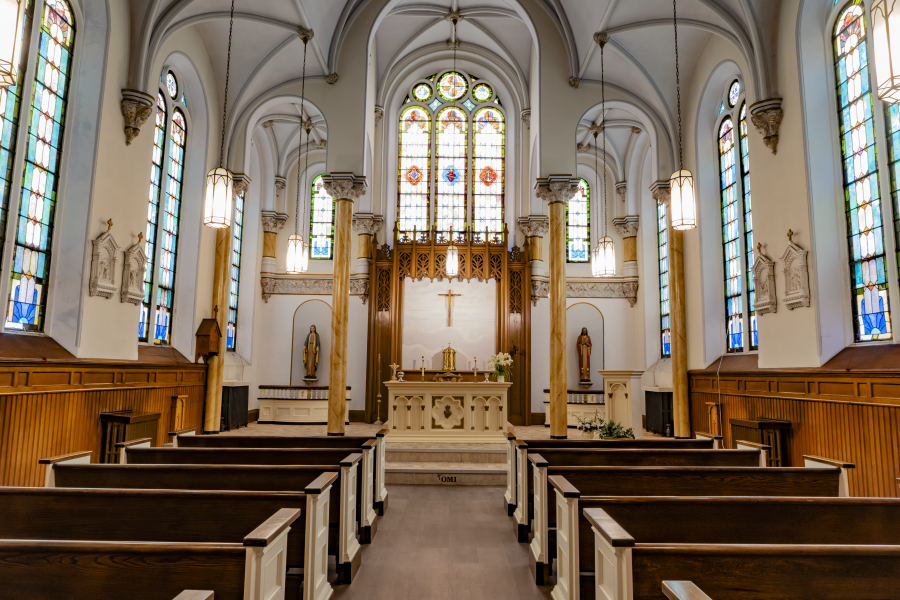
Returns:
<point x="425" y="411"/>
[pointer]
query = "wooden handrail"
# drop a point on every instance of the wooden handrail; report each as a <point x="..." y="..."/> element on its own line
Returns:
<point x="273" y="527"/>
<point x="611" y="531"/>
<point x="683" y="590"/>
<point x="195" y="595"/>
<point x="64" y="457"/>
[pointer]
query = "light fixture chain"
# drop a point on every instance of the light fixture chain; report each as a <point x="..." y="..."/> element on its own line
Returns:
<point x="227" y="78"/>
<point x="300" y="142"/>
<point x="603" y="131"/>
<point x="677" y="84"/>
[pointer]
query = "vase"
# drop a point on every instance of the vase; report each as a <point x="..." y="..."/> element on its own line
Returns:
<point x="587" y="435"/>
<point x="501" y="378"/>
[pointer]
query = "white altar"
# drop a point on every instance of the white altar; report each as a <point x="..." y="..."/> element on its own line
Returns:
<point x="428" y="411"/>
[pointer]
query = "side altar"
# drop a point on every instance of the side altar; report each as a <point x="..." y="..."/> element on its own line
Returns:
<point x="461" y="411"/>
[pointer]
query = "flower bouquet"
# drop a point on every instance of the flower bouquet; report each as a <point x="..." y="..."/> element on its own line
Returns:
<point x="501" y="365"/>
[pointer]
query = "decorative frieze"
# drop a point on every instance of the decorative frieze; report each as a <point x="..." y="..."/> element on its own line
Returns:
<point x="626" y="289"/>
<point x="796" y="275"/>
<point x="627" y="227"/>
<point x="136" y="109"/>
<point x="273" y="222"/>
<point x="764" y="283"/>
<point x="103" y="264"/>
<point x="133" y="273"/>
<point x="322" y="285"/>
<point x="359" y="286"/>
<point x="766" y="117"/>
<point x="540" y="288"/>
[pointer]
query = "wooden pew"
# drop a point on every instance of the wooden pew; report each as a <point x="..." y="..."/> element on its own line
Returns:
<point x="376" y="462"/>
<point x="89" y="570"/>
<point x="121" y="515"/>
<point x="713" y="520"/>
<point x="518" y="463"/>
<point x="196" y="595"/>
<point x="742" y="571"/>
<point x="268" y="456"/>
<point x="683" y="590"/>
<point x="342" y="517"/>
<point x="663" y="481"/>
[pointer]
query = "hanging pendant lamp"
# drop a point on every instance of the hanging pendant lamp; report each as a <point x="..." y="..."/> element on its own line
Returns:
<point x="603" y="256"/>
<point x="10" y="42"/>
<point x="682" y="206"/>
<point x="886" y="35"/>
<point x="219" y="205"/>
<point x="298" y="249"/>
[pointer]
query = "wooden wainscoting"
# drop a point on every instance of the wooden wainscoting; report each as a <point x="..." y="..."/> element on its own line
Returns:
<point x="52" y="407"/>
<point x="839" y="411"/>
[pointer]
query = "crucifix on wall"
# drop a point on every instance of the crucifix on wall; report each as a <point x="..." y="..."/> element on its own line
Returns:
<point x="449" y="295"/>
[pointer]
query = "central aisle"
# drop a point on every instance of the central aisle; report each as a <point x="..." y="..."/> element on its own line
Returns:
<point x="444" y="542"/>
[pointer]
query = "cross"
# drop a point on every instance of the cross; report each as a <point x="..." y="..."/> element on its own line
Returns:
<point x="790" y="235"/>
<point x="449" y="295"/>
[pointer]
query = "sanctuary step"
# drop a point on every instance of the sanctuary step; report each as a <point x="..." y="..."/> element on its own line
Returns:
<point x="456" y="464"/>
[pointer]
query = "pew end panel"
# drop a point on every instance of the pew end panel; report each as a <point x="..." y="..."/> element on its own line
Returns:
<point x="683" y="590"/>
<point x="765" y="450"/>
<point x="315" y="576"/>
<point x="348" y="557"/>
<point x="381" y="493"/>
<point x="368" y="517"/>
<point x="195" y="595"/>
<point x="75" y="458"/>
<point x="613" y="548"/>
<point x="714" y="440"/>
<point x="124" y="447"/>
<point x="520" y="514"/>
<point x="539" y="555"/>
<point x="567" y="553"/>
<point x="818" y="462"/>
<point x="510" y="495"/>
<point x="181" y="433"/>
<point x="266" y="566"/>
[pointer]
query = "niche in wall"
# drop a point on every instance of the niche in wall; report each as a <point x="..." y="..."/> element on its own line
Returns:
<point x="312" y="312"/>
<point x="583" y="314"/>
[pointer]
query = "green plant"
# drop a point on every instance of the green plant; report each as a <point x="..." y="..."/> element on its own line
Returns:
<point x="615" y="430"/>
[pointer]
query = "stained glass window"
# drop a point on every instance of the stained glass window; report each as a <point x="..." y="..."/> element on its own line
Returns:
<point x="451" y="141"/>
<point x="872" y="319"/>
<point x="748" y="229"/>
<point x="734" y="92"/>
<point x="237" y="235"/>
<point x="321" y="221"/>
<point x="452" y="86"/>
<point x="663" y="233"/>
<point x="34" y="236"/>
<point x="731" y="238"/>
<point x="171" y="85"/>
<point x="165" y="292"/>
<point x="413" y="177"/>
<point x="488" y="172"/>
<point x="578" y="228"/>
<point x="482" y="92"/>
<point x="422" y="92"/>
<point x="159" y="142"/>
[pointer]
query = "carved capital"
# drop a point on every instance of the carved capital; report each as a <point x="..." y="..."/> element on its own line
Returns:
<point x="621" y="189"/>
<point x="661" y="192"/>
<point x="136" y="109"/>
<point x="574" y="82"/>
<point x="379" y="113"/>
<point x="627" y="226"/>
<point x="345" y="186"/>
<point x="540" y="288"/>
<point x="367" y="224"/>
<point x="535" y="225"/>
<point x="241" y="183"/>
<point x="320" y="145"/>
<point x="360" y="287"/>
<point x="766" y="117"/>
<point x="331" y="79"/>
<point x="280" y="184"/>
<point x="526" y="117"/>
<point x="556" y="188"/>
<point x="273" y="222"/>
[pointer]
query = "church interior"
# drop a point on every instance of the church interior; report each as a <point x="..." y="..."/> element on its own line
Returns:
<point x="564" y="299"/>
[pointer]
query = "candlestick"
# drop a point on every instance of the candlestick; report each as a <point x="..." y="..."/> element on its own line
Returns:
<point x="475" y="370"/>
<point x="423" y="368"/>
<point x="378" y="397"/>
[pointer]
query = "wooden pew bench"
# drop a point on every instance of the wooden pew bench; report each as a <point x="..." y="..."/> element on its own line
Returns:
<point x="146" y="455"/>
<point x="195" y="595"/>
<point x="122" y="515"/>
<point x="659" y="481"/>
<point x="90" y="570"/>
<point x="377" y="462"/>
<point x="713" y="520"/>
<point x="519" y="471"/>
<point x="683" y="590"/>
<point x="342" y="518"/>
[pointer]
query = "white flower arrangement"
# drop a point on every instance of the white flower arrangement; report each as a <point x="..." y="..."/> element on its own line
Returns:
<point x="500" y="364"/>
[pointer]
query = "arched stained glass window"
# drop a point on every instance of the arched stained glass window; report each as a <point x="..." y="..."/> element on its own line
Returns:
<point x="488" y="177"/>
<point x="731" y="238"/>
<point x="237" y="233"/>
<point x="37" y="209"/>
<point x="321" y="221"/>
<point x="663" y="244"/>
<point x="578" y="228"/>
<point x="451" y="142"/>
<point x="748" y="228"/>
<point x="872" y="319"/>
<point x="414" y="179"/>
<point x="159" y="146"/>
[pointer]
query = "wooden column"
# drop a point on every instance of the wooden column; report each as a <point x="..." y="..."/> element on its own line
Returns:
<point x="345" y="188"/>
<point x="214" y="375"/>
<point x="556" y="190"/>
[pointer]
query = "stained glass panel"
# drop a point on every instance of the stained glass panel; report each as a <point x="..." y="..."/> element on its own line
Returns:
<point x="734" y="92"/>
<point x="234" y="284"/>
<point x="748" y="229"/>
<point x="34" y="236"/>
<point x="452" y="86"/>
<point x="578" y="229"/>
<point x="159" y="140"/>
<point x="872" y="319"/>
<point x="321" y="222"/>
<point x="171" y="85"/>
<point x="413" y="177"/>
<point x="892" y="124"/>
<point x="488" y="174"/>
<point x="451" y="141"/>
<point x="165" y="292"/>
<point x="731" y="239"/>
<point x="665" y="328"/>
<point x="482" y="92"/>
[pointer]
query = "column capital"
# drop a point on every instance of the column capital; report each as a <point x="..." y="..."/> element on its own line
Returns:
<point x="661" y="191"/>
<point x="556" y="188"/>
<point x="627" y="227"/>
<point x="534" y="225"/>
<point x="345" y="186"/>
<point x="367" y="223"/>
<point x="766" y="116"/>
<point x="621" y="189"/>
<point x="136" y="109"/>
<point x="241" y="183"/>
<point x="273" y="222"/>
<point x="280" y="183"/>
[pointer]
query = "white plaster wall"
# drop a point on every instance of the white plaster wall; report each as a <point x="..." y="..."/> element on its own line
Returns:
<point x="540" y="354"/>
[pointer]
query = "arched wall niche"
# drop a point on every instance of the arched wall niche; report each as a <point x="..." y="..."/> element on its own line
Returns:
<point x="578" y="315"/>
<point x="311" y="312"/>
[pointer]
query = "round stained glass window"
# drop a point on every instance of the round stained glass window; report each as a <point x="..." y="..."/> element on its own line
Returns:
<point x="482" y="92"/>
<point x="171" y="85"/>
<point x="734" y="93"/>
<point x="422" y="92"/>
<point x="453" y="86"/>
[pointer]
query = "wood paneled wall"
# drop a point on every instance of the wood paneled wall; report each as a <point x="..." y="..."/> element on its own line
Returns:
<point x="849" y="416"/>
<point x="49" y="409"/>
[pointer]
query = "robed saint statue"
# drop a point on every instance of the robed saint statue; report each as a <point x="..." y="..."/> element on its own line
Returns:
<point x="311" y="354"/>
<point x="584" y="356"/>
